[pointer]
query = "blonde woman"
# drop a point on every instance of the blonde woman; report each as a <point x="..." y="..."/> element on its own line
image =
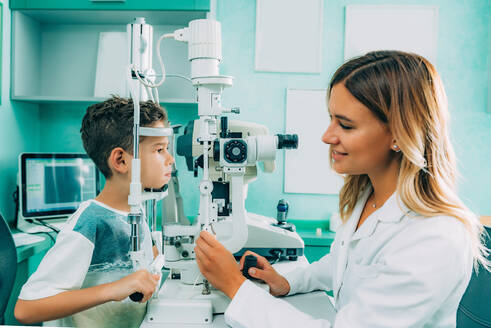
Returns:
<point x="404" y="254"/>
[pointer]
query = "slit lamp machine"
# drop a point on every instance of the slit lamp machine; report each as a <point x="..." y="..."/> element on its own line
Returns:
<point x="227" y="153"/>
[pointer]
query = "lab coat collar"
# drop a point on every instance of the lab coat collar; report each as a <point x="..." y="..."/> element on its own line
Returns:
<point x="392" y="211"/>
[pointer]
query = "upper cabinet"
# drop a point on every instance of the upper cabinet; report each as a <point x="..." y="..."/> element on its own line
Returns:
<point x="170" y="5"/>
<point x="56" y="47"/>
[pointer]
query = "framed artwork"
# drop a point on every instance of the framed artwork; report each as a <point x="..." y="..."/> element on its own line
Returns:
<point x="289" y="36"/>
<point x="381" y="27"/>
<point x="307" y="116"/>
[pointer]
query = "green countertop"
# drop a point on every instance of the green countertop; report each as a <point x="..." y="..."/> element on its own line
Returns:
<point x="26" y="251"/>
<point x="307" y="230"/>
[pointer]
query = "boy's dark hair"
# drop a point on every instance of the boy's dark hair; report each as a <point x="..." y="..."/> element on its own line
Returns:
<point x="109" y="124"/>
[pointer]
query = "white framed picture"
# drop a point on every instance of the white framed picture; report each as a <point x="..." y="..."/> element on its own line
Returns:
<point x="381" y="27"/>
<point x="307" y="169"/>
<point x="289" y="36"/>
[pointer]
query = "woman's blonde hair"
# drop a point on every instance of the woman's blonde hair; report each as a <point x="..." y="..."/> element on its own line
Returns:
<point x="405" y="92"/>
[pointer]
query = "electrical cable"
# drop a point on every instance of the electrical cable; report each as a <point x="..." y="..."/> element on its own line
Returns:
<point x="162" y="67"/>
<point x="49" y="226"/>
<point x="277" y="255"/>
<point x="39" y="232"/>
<point x="149" y="93"/>
<point x="172" y="75"/>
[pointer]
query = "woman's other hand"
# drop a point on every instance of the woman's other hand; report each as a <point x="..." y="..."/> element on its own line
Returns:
<point x="278" y="285"/>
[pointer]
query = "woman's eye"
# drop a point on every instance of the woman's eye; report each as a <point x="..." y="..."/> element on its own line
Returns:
<point x="160" y="150"/>
<point x="345" y="126"/>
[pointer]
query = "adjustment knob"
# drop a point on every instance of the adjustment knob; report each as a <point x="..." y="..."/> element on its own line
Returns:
<point x="250" y="261"/>
<point x="235" y="151"/>
<point x="281" y="211"/>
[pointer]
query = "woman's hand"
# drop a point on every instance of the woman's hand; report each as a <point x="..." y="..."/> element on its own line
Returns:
<point x="140" y="281"/>
<point x="217" y="264"/>
<point x="278" y="285"/>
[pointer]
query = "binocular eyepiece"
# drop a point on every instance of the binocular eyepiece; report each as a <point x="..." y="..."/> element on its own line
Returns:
<point x="287" y="141"/>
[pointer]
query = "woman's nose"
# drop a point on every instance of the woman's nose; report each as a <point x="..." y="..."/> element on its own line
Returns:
<point x="329" y="137"/>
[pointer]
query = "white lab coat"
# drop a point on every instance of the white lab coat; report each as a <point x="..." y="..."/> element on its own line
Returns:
<point x="397" y="270"/>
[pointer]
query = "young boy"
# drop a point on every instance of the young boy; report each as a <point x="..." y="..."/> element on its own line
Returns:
<point x="87" y="273"/>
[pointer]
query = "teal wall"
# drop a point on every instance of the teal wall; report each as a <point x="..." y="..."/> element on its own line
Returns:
<point x="463" y="51"/>
<point x="19" y="126"/>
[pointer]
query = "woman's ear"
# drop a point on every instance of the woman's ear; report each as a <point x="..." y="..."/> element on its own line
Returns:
<point x="395" y="147"/>
<point x="118" y="160"/>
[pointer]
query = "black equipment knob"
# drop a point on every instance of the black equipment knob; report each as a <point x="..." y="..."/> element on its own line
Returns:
<point x="282" y="214"/>
<point x="136" y="297"/>
<point x="281" y="211"/>
<point x="250" y="261"/>
<point x="223" y="127"/>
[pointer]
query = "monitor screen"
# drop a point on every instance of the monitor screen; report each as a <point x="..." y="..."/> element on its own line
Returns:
<point x="56" y="184"/>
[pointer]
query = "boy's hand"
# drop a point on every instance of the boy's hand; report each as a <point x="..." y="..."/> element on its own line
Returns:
<point x="278" y="285"/>
<point x="140" y="281"/>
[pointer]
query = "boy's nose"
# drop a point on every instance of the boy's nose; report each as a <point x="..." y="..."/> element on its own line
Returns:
<point x="170" y="160"/>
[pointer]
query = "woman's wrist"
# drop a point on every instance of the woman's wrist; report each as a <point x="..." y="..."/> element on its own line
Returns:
<point x="234" y="286"/>
<point x="286" y="286"/>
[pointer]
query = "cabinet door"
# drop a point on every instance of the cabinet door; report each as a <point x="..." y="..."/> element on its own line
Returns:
<point x="315" y="253"/>
<point x="171" y="5"/>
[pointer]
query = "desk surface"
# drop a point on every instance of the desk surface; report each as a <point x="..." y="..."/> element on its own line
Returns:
<point x="26" y="251"/>
<point x="317" y="304"/>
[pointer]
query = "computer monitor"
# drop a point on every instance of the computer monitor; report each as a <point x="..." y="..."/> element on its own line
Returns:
<point x="52" y="186"/>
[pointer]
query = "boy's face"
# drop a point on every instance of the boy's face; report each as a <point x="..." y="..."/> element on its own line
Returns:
<point x="156" y="161"/>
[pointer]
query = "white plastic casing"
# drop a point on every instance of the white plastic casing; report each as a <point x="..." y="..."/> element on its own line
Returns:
<point x="140" y="44"/>
<point x="204" y="47"/>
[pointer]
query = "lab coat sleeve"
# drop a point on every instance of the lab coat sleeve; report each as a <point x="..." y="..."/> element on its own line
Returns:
<point x="63" y="268"/>
<point x="253" y="307"/>
<point x="316" y="276"/>
<point x="421" y="268"/>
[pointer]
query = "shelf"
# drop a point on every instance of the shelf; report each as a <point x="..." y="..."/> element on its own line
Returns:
<point x="92" y="100"/>
<point x="109" y="17"/>
<point x="56" y="61"/>
<point x="168" y="5"/>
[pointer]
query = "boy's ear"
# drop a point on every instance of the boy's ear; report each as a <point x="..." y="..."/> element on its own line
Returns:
<point x="119" y="160"/>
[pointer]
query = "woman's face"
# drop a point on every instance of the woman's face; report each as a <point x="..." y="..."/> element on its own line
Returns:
<point x="359" y="142"/>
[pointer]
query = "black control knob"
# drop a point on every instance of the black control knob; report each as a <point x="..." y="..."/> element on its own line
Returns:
<point x="281" y="211"/>
<point x="223" y="127"/>
<point x="282" y="214"/>
<point x="136" y="297"/>
<point x="250" y="261"/>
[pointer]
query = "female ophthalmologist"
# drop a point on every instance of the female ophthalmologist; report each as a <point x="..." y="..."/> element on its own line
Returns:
<point x="404" y="254"/>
